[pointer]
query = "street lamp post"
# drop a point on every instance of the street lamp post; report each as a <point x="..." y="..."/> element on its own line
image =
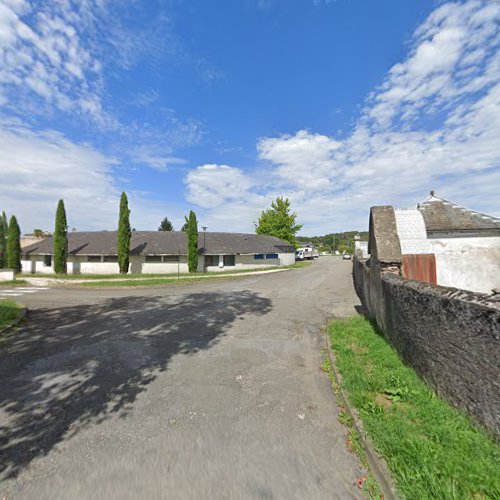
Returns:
<point x="204" y="248"/>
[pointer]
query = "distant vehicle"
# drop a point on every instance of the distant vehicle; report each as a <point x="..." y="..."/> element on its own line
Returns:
<point x="307" y="252"/>
<point x="346" y="256"/>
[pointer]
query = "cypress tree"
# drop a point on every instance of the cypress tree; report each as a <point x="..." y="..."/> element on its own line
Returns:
<point x="14" y="245"/>
<point x="3" y="240"/>
<point x="192" y="242"/>
<point x="124" y="235"/>
<point x="60" y="239"/>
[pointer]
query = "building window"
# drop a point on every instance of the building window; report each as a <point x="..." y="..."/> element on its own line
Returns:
<point x="229" y="260"/>
<point x="47" y="260"/>
<point x="110" y="258"/>
<point x="258" y="256"/>
<point x="271" y="255"/>
<point x="153" y="258"/>
<point x="93" y="258"/>
<point x="211" y="260"/>
<point x="171" y="258"/>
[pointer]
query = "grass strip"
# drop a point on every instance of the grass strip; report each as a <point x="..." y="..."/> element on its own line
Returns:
<point x="432" y="449"/>
<point x="11" y="283"/>
<point x="100" y="277"/>
<point x="10" y="312"/>
<point x="153" y="281"/>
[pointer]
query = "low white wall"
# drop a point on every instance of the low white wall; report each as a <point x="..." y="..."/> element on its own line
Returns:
<point x="468" y="263"/>
<point x="7" y="275"/>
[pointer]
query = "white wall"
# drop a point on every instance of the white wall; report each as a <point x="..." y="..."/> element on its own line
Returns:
<point x="468" y="263"/>
<point x="36" y="264"/>
<point x="249" y="262"/>
<point x="79" y="265"/>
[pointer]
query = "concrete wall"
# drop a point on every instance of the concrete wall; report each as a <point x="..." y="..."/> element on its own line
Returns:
<point x="450" y="337"/>
<point x="79" y="265"/>
<point x="7" y="275"/>
<point x="468" y="263"/>
<point x="248" y="262"/>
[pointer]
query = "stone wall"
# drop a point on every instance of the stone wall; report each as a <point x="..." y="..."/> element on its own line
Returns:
<point x="450" y="337"/>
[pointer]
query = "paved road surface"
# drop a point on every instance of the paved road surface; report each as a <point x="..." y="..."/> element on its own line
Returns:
<point x="209" y="390"/>
<point x="18" y="291"/>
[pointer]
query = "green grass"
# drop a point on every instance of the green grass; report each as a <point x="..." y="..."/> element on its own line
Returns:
<point x="10" y="312"/>
<point x="13" y="283"/>
<point x="141" y="276"/>
<point x="432" y="449"/>
<point x="153" y="281"/>
<point x="299" y="264"/>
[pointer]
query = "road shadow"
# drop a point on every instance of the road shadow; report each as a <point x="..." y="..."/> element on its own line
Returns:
<point x="75" y="366"/>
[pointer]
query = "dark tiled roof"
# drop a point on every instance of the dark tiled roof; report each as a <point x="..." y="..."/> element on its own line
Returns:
<point x="444" y="216"/>
<point x="163" y="243"/>
<point x="229" y="243"/>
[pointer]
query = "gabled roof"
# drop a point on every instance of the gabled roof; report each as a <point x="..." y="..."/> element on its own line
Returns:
<point x="163" y="243"/>
<point x="442" y="216"/>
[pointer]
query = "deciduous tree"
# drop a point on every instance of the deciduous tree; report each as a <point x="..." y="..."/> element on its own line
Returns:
<point x="278" y="221"/>
<point x="124" y="235"/>
<point x="60" y="239"/>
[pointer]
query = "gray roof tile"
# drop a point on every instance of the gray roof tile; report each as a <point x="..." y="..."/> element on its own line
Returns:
<point x="444" y="216"/>
<point x="163" y="243"/>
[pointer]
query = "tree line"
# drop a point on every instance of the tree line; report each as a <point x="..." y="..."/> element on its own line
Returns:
<point x="10" y="243"/>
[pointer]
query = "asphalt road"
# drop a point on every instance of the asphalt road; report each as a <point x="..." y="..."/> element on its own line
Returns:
<point x="209" y="390"/>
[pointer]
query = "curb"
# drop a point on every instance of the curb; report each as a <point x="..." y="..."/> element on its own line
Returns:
<point x="22" y="317"/>
<point x="377" y="465"/>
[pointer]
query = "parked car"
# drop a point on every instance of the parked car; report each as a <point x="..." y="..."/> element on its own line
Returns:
<point x="346" y="256"/>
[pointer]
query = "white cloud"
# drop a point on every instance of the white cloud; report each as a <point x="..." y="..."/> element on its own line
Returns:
<point x="434" y="123"/>
<point x="38" y="168"/>
<point x="212" y="185"/>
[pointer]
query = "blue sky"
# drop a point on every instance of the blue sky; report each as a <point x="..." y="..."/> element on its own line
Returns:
<point x="220" y="106"/>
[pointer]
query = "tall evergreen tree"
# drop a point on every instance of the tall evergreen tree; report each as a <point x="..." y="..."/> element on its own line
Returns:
<point x="60" y="239"/>
<point x="124" y="235"/>
<point x="278" y="221"/>
<point x="192" y="242"/>
<point x="166" y="225"/>
<point x="14" y="245"/>
<point x="3" y="240"/>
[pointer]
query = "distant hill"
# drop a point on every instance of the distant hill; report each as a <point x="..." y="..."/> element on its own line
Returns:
<point x="343" y="242"/>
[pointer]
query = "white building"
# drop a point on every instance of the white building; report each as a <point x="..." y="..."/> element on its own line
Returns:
<point x="446" y="244"/>
<point x="160" y="252"/>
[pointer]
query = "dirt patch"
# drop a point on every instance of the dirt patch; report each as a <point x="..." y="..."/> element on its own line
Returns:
<point x="357" y="349"/>
<point x="383" y="400"/>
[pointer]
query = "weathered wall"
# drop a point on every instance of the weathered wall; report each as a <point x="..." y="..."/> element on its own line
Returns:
<point x="468" y="263"/>
<point x="449" y="336"/>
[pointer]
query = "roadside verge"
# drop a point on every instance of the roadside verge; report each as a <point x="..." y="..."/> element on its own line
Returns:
<point x="431" y="449"/>
<point x="11" y="314"/>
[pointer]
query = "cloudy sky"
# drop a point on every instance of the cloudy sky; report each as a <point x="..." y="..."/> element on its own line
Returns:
<point x="220" y="106"/>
